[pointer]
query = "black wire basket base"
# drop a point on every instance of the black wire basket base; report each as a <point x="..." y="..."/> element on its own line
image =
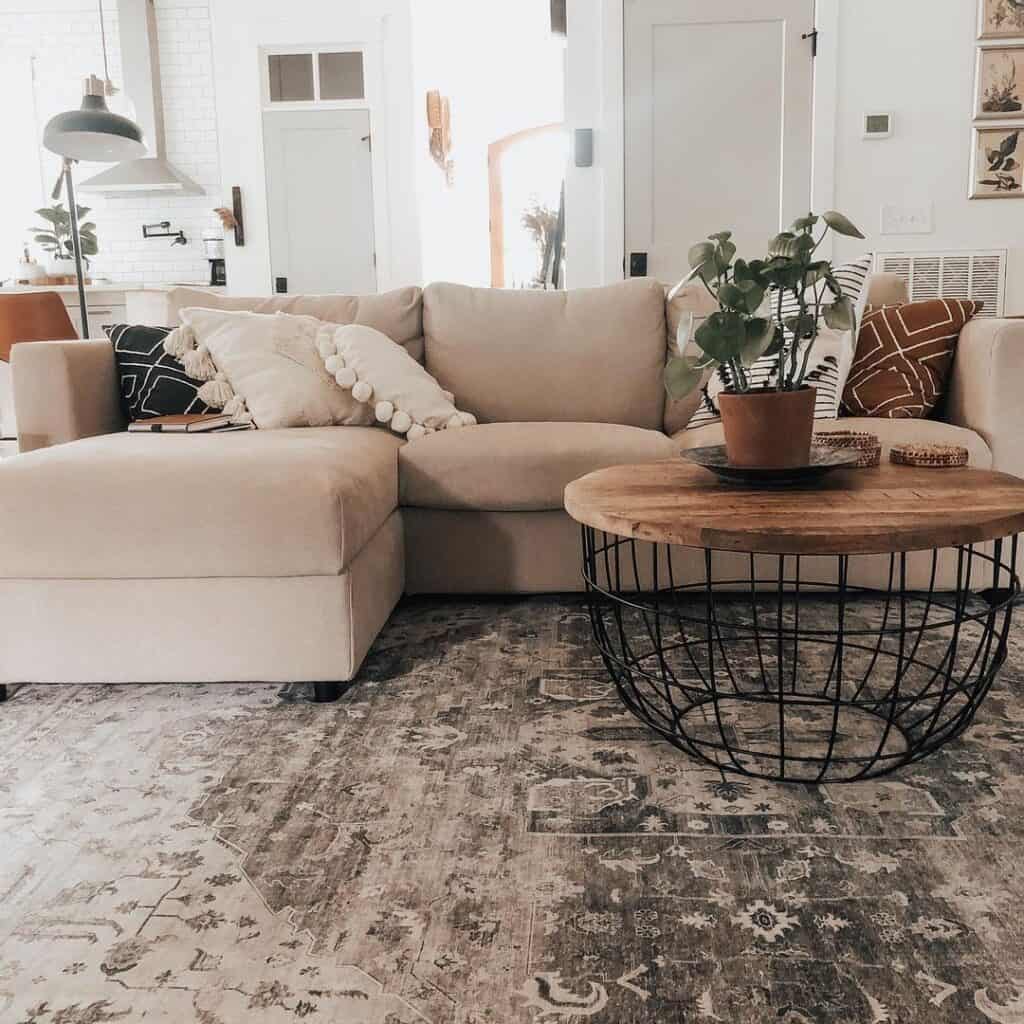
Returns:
<point x="798" y="680"/>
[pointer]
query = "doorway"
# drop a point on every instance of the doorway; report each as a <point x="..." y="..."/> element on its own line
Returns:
<point x="718" y="98"/>
<point x="320" y="201"/>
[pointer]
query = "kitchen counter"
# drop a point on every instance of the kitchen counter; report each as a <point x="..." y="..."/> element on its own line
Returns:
<point x="113" y="302"/>
<point x="97" y="286"/>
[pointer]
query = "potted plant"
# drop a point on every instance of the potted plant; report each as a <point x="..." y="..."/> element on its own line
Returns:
<point x="767" y="308"/>
<point x="55" y="239"/>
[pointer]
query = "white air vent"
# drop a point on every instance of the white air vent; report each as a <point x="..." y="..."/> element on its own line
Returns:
<point x="953" y="274"/>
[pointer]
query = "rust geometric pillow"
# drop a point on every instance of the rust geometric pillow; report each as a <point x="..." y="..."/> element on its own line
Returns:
<point x="904" y="355"/>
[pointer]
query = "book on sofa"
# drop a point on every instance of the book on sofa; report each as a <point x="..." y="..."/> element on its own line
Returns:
<point x="185" y="423"/>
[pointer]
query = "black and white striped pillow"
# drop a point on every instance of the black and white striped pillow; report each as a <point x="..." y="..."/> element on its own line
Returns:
<point x="831" y="356"/>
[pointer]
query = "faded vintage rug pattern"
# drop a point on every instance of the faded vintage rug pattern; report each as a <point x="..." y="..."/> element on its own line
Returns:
<point x="478" y="834"/>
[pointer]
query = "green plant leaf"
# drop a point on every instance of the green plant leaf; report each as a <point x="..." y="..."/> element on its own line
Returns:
<point x="724" y="255"/>
<point x="803" y="245"/>
<point x="52" y="214"/>
<point x="82" y="210"/>
<point x="721" y="236"/>
<point x="760" y="333"/>
<point x="841" y="224"/>
<point x="721" y="336"/>
<point x="699" y="254"/>
<point x="816" y="272"/>
<point x="682" y="375"/>
<point x="753" y="295"/>
<point x="782" y="245"/>
<point x="732" y="297"/>
<point x="804" y="223"/>
<point x="802" y="326"/>
<point x="89" y="246"/>
<point x="840" y="315"/>
<point x="684" y="332"/>
<point x="87" y="226"/>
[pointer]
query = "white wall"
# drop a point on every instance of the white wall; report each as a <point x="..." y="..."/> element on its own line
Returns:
<point x="240" y="28"/>
<point x="916" y="58"/>
<point x="593" y="99"/>
<point x="46" y="48"/>
<point x="502" y="71"/>
<point x="913" y="57"/>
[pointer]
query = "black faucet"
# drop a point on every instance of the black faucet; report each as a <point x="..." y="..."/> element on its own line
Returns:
<point x="148" y="231"/>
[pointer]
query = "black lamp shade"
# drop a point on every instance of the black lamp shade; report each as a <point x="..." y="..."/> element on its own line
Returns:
<point x="93" y="133"/>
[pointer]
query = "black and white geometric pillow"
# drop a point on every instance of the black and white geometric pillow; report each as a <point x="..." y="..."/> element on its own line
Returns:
<point x="153" y="383"/>
<point x="830" y="361"/>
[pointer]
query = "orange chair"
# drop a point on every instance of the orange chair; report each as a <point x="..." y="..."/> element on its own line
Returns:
<point x="32" y="316"/>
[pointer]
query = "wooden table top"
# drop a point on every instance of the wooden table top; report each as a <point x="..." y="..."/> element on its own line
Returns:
<point x="851" y="511"/>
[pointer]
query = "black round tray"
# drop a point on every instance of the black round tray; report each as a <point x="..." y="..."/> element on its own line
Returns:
<point x="822" y="460"/>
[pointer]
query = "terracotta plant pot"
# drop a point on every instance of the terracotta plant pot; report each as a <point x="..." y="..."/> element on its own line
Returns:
<point x="768" y="429"/>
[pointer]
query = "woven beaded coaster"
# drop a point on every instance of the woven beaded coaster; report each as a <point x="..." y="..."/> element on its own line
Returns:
<point x="934" y="456"/>
<point x="867" y="446"/>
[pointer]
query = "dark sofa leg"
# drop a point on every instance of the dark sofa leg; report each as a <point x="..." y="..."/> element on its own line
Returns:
<point x="324" y="693"/>
<point x="3" y="692"/>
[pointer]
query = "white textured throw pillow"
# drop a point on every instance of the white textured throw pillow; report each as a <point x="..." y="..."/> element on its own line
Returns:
<point x="394" y="386"/>
<point x="269" y="362"/>
<point x="830" y="361"/>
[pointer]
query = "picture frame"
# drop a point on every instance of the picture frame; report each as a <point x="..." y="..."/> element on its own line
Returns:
<point x="1000" y="19"/>
<point x="999" y="82"/>
<point x="997" y="162"/>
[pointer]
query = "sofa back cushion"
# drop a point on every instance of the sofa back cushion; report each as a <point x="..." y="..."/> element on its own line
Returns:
<point x="887" y="289"/>
<point x="398" y="313"/>
<point x="588" y="355"/>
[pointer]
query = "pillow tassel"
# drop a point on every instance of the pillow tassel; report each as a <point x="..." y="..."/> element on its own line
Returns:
<point x="199" y="364"/>
<point x="181" y="340"/>
<point x="216" y="393"/>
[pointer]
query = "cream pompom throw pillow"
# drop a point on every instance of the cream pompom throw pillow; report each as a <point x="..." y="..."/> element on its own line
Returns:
<point x="283" y="370"/>
<point x="263" y="365"/>
<point x="382" y="374"/>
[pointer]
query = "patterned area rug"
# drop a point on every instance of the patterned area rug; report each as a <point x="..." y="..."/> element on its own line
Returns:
<point x="477" y="834"/>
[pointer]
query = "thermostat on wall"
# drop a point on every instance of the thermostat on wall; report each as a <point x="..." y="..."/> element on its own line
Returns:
<point x="877" y="126"/>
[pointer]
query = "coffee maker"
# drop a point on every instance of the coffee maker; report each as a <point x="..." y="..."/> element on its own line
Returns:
<point x="213" y="243"/>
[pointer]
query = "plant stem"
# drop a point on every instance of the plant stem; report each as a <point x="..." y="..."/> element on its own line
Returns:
<point x="782" y="351"/>
<point x="807" y="354"/>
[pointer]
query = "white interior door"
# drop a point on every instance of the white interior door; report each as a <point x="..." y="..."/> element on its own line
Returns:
<point x="320" y="201"/>
<point x="718" y="105"/>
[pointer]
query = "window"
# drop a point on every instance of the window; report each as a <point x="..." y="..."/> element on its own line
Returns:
<point x="291" y="77"/>
<point x="341" y="76"/>
<point x="328" y="75"/>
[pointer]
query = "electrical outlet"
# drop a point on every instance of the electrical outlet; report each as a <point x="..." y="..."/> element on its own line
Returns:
<point x="909" y="219"/>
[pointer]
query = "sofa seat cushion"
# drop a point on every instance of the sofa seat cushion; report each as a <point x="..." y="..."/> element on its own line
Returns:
<point x="517" y="467"/>
<point x="889" y="432"/>
<point x="299" y="502"/>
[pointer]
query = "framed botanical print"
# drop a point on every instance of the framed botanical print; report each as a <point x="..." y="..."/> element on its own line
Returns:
<point x="996" y="163"/>
<point x="1001" y="19"/>
<point x="1000" y="82"/>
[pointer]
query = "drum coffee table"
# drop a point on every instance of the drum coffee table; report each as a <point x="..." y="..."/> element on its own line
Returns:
<point x="759" y="652"/>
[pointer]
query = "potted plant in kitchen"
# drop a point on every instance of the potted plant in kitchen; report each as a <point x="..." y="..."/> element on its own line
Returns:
<point x="768" y="309"/>
<point x="55" y="239"/>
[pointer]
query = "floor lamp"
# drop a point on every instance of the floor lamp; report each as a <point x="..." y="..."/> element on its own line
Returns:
<point x="91" y="133"/>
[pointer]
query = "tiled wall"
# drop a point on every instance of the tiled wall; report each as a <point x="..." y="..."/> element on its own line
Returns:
<point x="58" y="41"/>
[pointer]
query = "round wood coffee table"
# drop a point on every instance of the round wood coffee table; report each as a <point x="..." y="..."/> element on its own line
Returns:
<point x="760" y="653"/>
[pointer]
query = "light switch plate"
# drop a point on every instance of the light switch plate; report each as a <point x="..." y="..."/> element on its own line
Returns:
<point x="906" y="219"/>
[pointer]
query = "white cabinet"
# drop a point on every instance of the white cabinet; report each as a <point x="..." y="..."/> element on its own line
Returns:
<point x="103" y="306"/>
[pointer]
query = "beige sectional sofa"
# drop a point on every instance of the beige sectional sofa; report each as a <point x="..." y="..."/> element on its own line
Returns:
<point x="279" y="555"/>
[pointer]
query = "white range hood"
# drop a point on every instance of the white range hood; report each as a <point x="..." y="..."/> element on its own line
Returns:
<point x="140" y="69"/>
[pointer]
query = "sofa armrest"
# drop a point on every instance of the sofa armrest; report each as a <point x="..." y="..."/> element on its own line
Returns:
<point x="64" y="390"/>
<point x="985" y="388"/>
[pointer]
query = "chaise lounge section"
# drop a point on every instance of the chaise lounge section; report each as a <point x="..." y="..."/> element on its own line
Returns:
<point x="278" y="555"/>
